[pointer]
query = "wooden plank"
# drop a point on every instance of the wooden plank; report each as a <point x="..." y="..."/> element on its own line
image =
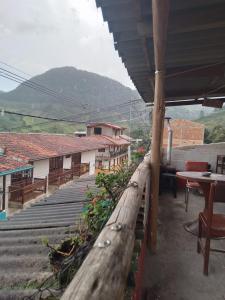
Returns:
<point x="103" y="274"/>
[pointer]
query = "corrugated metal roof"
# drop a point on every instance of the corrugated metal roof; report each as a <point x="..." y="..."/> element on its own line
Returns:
<point x="195" y="53"/>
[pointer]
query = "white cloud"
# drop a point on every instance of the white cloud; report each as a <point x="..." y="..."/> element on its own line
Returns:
<point x="41" y="34"/>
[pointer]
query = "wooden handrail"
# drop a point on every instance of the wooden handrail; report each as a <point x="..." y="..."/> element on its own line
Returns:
<point x="104" y="272"/>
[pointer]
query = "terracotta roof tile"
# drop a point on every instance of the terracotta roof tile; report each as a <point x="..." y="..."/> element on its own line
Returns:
<point x="10" y="164"/>
<point x="35" y="146"/>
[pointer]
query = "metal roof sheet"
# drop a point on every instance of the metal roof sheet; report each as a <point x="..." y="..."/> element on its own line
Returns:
<point x="195" y="54"/>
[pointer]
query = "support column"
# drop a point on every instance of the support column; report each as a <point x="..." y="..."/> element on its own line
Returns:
<point x="160" y="13"/>
<point x="4" y="193"/>
<point x="157" y="127"/>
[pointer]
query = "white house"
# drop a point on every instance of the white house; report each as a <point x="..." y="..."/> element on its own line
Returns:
<point x="116" y="144"/>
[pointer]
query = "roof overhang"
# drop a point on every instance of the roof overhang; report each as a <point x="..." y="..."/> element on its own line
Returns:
<point x="195" y="50"/>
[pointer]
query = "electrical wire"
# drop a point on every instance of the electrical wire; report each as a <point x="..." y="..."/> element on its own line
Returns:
<point x="34" y="84"/>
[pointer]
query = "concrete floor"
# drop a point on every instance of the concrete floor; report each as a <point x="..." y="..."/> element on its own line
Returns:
<point x="176" y="271"/>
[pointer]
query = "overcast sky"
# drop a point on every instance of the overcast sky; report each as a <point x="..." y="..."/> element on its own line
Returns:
<point x="37" y="35"/>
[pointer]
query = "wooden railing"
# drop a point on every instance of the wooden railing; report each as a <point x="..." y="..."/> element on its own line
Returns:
<point x="103" y="274"/>
<point x="24" y="193"/>
<point x="62" y="176"/>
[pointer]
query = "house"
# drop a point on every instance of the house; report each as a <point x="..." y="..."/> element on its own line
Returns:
<point x="10" y="169"/>
<point x="55" y="159"/>
<point x="116" y="145"/>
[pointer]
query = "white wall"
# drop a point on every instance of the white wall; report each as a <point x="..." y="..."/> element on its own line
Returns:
<point x="7" y="184"/>
<point x="41" y="168"/>
<point x="67" y="161"/>
<point x="206" y="152"/>
<point x="89" y="157"/>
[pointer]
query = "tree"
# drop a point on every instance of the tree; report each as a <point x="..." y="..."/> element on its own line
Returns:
<point x="215" y="135"/>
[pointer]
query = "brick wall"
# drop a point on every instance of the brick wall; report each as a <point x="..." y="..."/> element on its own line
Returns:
<point x="185" y="132"/>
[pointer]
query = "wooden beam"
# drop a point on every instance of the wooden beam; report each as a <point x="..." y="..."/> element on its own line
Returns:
<point x="103" y="274"/>
<point x="160" y="9"/>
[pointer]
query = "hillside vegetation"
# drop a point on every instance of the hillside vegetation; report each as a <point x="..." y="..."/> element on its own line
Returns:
<point x="81" y="95"/>
<point x="215" y="126"/>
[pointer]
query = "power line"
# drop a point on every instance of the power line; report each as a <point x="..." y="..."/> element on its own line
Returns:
<point x="41" y="117"/>
<point x="40" y="88"/>
<point x="36" y="82"/>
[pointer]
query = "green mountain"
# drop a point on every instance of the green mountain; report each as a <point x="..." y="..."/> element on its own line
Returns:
<point x="215" y="126"/>
<point x="80" y="95"/>
<point x="217" y="118"/>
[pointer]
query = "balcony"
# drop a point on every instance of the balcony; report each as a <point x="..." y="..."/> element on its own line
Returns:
<point x="62" y="176"/>
<point x="174" y="268"/>
<point x="118" y="153"/>
<point x="21" y="192"/>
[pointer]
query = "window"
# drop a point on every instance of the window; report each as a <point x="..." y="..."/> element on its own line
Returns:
<point x="25" y="176"/>
<point x="101" y="150"/>
<point x="98" y="130"/>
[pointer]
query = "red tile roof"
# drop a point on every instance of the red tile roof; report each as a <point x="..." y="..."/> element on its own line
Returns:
<point x="10" y="165"/>
<point x="106" y="140"/>
<point x="34" y="146"/>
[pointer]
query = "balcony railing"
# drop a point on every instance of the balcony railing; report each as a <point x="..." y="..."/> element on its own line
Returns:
<point x="104" y="272"/>
<point x="111" y="154"/>
<point x="117" y="153"/>
<point x="59" y="177"/>
<point x="21" y="193"/>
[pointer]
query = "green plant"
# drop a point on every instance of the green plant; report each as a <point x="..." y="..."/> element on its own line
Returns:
<point x="96" y="214"/>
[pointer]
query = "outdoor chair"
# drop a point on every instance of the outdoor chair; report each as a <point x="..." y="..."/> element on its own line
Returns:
<point x="211" y="225"/>
<point x="194" y="166"/>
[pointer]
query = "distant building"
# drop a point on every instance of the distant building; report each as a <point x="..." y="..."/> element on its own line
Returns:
<point x="185" y="132"/>
<point x="116" y="144"/>
<point x="80" y="133"/>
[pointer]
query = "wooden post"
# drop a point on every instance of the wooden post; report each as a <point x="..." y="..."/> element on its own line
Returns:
<point x="160" y="11"/>
<point x="3" y="194"/>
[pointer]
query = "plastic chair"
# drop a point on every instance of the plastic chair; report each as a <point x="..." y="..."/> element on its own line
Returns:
<point x="194" y="166"/>
<point x="211" y="225"/>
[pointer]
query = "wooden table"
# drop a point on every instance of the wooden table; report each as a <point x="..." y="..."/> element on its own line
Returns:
<point x="204" y="183"/>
